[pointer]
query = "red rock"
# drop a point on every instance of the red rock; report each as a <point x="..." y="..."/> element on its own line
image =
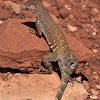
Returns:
<point x="70" y="16"/>
<point x="94" y="93"/>
<point x="46" y="4"/>
<point x="90" y="30"/>
<point x="77" y="87"/>
<point x="56" y="13"/>
<point x="16" y="8"/>
<point x="94" y="11"/>
<point x="93" y="86"/>
<point x="77" y="23"/>
<point x="54" y="18"/>
<point x="98" y="87"/>
<point x="83" y="7"/>
<point x="94" y="65"/>
<point x="91" y="78"/>
<point x="28" y="14"/>
<point x="8" y="7"/>
<point x="88" y="43"/>
<point x="96" y="77"/>
<point x="85" y="21"/>
<point x="35" y="87"/>
<point x="20" y="46"/>
<point x="64" y="12"/>
<point x="71" y="28"/>
<point x="86" y="2"/>
<point x="50" y="9"/>
<point x="98" y="95"/>
<point x="60" y="1"/>
<point x="76" y="4"/>
<point x="96" y="1"/>
<point x="66" y="19"/>
<point x="8" y="3"/>
<point x="2" y="5"/>
<point x="11" y="11"/>
<point x="16" y="1"/>
<point x="75" y="12"/>
<point x="92" y="4"/>
<point x="83" y="33"/>
<point x="85" y="53"/>
<point x="4" y="14"/>
<point x="89" y="99"/>
<point x="94" y="50"/>
<point x="86" y="85"/>
<point x="84" y="15"/>
<point x="77" y="34"/>
<point x="79" y="79"/>
<point x="79" y="68"/>
<point x="60" y="4"/>
<point x="88" y="71"/>
<point x="96" y="19"/>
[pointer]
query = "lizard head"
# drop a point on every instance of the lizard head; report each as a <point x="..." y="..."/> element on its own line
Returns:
<point x="34" y="6"/>
<point x="31" y="5"/>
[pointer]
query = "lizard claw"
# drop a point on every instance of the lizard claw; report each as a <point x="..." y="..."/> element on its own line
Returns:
<point x="36" y="69"/>
<point x="31" y="30"/>
<point x="38" y="66"/>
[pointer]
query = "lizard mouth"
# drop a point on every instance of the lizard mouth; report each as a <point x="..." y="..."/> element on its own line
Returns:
<point x="30" y="7"/>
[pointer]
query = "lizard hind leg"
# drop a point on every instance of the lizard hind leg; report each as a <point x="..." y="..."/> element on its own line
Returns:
<point x="47" y="59"/>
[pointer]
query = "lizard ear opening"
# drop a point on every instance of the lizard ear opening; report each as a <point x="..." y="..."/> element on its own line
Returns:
<point x="71" y="64"/>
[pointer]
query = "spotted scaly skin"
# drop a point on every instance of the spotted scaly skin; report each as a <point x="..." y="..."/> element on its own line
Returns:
<point x="55" y="38"/>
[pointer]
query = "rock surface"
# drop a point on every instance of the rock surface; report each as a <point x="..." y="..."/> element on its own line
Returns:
<point x="38" y="87"/>
<point x="19" y="49"/>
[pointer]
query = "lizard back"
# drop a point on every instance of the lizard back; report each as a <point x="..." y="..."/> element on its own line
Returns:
<point x="51" y="31"/>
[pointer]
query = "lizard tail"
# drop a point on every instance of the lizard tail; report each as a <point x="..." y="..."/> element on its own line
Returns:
<point x="64" y="81"/>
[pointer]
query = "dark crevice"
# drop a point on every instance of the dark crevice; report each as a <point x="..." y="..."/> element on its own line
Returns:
<point x="30" y="24"/>
<point x="80" y="74"/>
<point x="5" y="70"/>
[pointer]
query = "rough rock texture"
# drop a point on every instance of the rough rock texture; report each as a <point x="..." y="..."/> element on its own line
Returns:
<point x="80" y="22"/>
<point x="19" y="47"/>
<point x="4" y="14"/>
<point x="38" y="87"/>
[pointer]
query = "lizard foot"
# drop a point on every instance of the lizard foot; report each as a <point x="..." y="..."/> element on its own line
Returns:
<point x="39" y="69"/>
<point x="31" y="71"/>
<point x="35" y="69"/>
<point x="31" y="30"/>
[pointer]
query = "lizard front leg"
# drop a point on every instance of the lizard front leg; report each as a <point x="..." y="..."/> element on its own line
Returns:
<point x="38" y="28"/>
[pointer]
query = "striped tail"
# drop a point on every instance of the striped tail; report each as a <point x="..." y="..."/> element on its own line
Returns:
<point x="63" y="84"/>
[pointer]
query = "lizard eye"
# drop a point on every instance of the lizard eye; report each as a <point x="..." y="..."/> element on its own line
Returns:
<point x="32" y="8"/>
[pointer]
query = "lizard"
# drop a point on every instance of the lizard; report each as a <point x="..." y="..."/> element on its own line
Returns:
<point x="56" y="40"/>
